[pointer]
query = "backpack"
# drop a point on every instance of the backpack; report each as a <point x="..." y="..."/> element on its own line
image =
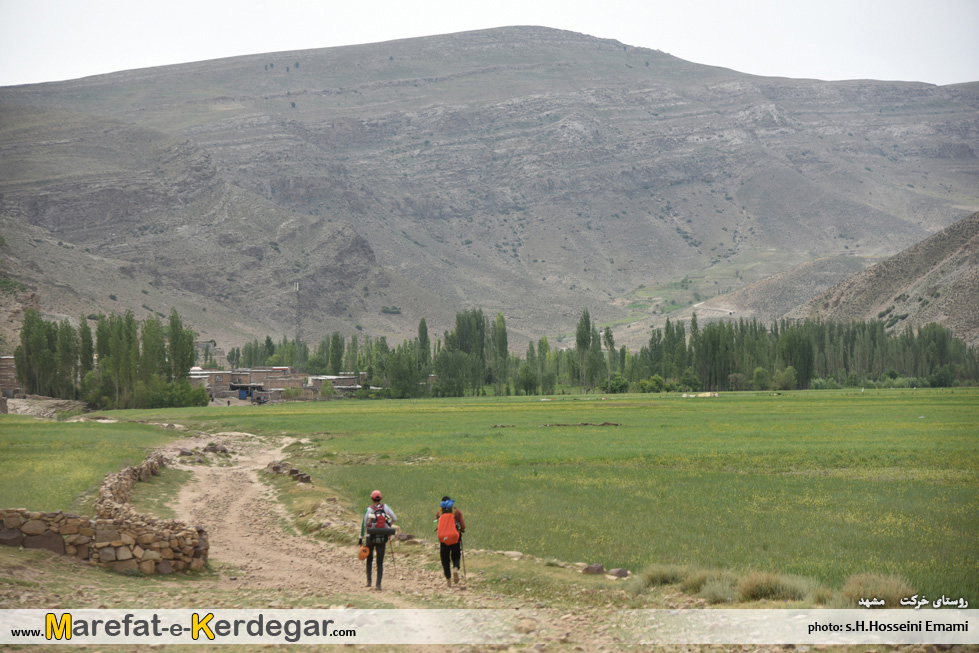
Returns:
<point x="448" y="532"/>
<point x="378" y="518"/>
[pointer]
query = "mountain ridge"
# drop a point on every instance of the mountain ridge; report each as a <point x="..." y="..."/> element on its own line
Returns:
<point x="489" y="168"/>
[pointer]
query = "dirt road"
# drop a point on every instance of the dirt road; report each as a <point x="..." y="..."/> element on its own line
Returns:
<point x="253" y="550"/>
<point x="245" y="526"/>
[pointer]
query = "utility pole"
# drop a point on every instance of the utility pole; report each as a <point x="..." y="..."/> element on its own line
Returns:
<point x="299" y="326"/>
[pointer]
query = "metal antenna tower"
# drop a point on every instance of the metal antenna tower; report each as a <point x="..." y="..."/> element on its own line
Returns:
<point x="299" y="325"/>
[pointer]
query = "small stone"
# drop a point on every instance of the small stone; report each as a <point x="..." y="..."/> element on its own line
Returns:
<point x="526" y="626"/>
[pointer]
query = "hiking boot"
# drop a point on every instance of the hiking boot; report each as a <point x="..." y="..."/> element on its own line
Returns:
<point x="378" y="588"/>
<point x="455" y="576"/>
<point x="448" y="583"/>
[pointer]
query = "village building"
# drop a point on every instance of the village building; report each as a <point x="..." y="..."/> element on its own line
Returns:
<point x="341" y="383"/>
<point x="269" y="383"/>
<point x="8" y="377"/>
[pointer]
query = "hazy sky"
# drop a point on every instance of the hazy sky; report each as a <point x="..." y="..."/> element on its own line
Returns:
<point x="933" y="41"/>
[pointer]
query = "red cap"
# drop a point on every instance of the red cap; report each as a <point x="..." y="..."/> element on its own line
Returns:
<point x="376" y="494"/>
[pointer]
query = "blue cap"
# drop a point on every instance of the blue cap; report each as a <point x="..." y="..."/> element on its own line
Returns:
<point x="447" y="504"/>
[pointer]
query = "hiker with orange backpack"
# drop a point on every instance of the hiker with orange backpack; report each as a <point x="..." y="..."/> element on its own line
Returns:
<point x="450" y="526"/>
<point x="378" y="524"/>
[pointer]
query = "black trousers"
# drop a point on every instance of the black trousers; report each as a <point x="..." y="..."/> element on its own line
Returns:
<point x="379" y="547"/>
<point x="447" y="551"/>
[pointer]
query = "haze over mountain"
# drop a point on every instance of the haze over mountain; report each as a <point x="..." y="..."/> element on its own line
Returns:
<point x="526" y="170"/>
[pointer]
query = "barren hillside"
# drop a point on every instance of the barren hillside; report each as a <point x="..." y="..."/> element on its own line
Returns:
<point x="936" y="280"/>
<point x="525" y="170"/>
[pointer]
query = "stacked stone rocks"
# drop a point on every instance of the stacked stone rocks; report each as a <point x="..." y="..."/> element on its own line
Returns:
<point x="119" y="538"/>
<point x="280" y="467"/>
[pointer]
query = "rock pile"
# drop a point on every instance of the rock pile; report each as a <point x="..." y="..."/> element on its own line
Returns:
<point x="120" y="538"/>
<point x="280" y="467"/>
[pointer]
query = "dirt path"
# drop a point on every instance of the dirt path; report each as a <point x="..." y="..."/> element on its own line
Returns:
<point x="245" y="526"/>
<point x="247" y="538"/>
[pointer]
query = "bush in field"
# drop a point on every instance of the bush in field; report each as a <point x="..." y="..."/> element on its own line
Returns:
<point x="766" y="585"/>
<point x="654" y="384"/>
<point x="786" y="379"/>
<point x="616" y="384"/>
<point x="696" y="579"/>
<point x="660" y="574"/>
<point x="689" y="380"/>
<point x="890" y="588"/>
<point x="824" y="384"/>
<point x="738" y="381"/>
<point x="719" y="590"/>
<point x="822" y="596"/>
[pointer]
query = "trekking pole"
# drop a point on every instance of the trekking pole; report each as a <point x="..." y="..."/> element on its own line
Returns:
<point x="462" y="551"/>
<point x="393" y="561"/>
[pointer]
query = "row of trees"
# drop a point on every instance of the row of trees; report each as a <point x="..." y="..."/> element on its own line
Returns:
<point x="126" y="364"/>
<point x="474" y="356"/>
<point x="145" y="365"/>
<point x="742" y="355"/>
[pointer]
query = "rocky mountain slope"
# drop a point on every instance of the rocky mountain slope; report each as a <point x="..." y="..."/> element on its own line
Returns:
<point x="525" y="170"/>
<point x="775" y="296"/>
<point x="936" y="280"/>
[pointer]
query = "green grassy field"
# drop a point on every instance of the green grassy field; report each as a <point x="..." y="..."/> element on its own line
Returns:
<point x="818" y="484"/>
<point x="49" y="466"/>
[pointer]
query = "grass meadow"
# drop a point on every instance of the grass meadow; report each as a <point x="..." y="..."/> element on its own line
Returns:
<point x="49" y="466"/>
<point x="823" y="485"/>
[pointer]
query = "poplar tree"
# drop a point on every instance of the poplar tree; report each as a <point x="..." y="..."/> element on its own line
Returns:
<point x="609" y="341"/>
<point x="424" y="354"/>
<point x="582" y="345"/>
<point x="336" y="353"/>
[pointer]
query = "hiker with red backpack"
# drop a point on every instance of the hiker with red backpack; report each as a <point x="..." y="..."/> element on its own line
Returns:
<point x="450" y="526"/>
<point x="378" y="524"/>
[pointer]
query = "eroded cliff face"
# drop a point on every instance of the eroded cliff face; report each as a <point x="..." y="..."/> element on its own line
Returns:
<point x="490" y="168"/>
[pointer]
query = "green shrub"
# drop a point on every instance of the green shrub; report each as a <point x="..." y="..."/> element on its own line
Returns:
<point x="719" y="590"/>
<point x="10" y="286"/>
<point x="654" y="384"/>
<point x="660" y="574"/>
<point x="822" y="596"/>
<point x="824" y="384"/>
<point x="890" y="588"/>
<point x="617" y="384"/>
<point x="696" y="579"/>
<point x="759" y="585"/>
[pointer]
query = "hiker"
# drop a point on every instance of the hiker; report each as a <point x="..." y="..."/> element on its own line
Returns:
<point x="451" y="526"/>
<point x="377" y="515"/>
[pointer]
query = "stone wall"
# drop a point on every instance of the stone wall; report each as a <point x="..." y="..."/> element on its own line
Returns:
<point x="119" y="538"/>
